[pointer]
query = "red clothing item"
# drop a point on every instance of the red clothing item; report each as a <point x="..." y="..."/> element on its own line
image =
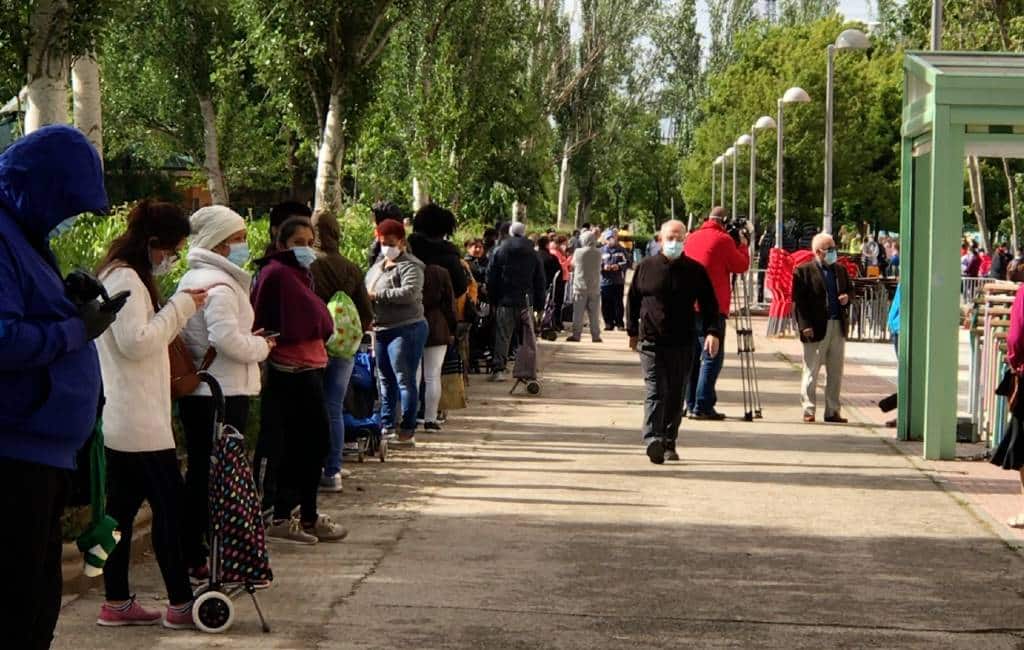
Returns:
<point x="563" y="260"/>
<point x="713" y="248"/>
<point x="304" y="354"/>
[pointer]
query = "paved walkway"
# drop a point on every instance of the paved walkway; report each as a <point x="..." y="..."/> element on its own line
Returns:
<point x="539" y="523"/>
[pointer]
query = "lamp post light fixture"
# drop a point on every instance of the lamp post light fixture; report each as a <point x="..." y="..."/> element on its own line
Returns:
<point x="849" y="39"/>
<point x="763" y="122"/>
<point x="714" y="174"/>
<point x="730" y="154"/>
<point x="741" y="141"/>
<point x="794" y="95"/>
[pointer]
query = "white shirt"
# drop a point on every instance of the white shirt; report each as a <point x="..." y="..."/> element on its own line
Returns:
<point x="136" y="367"/>
<point x="225" y="323"/>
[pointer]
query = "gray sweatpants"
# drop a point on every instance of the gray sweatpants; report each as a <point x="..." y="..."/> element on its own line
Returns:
<point x="590" y="304"/>
<point x="831" y="353"/>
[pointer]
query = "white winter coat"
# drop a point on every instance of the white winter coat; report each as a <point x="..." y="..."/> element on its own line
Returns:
<point x="224" y="322"/>
<point x="136" y="367"/>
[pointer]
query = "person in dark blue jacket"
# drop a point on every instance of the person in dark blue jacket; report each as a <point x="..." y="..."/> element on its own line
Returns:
<point x="49" y="370"/>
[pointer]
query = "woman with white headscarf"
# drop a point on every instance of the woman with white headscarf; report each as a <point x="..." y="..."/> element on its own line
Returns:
<point x="221" y="330"/>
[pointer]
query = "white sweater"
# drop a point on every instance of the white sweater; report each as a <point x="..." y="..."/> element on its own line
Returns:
<point x="136" y="367"/>
<point x="224" y="322"/>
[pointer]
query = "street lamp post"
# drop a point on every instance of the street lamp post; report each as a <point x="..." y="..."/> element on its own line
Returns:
<point x="714" y="174"/>
<point x="731" y="154"/>
<point x="850" y="39"/>
<point x="763" y="122"/>
<point x="794" y="95"/>
<point x="618" y="194"/>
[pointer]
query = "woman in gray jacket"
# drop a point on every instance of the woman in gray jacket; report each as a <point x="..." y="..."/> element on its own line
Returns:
<point x="395" y="285"/>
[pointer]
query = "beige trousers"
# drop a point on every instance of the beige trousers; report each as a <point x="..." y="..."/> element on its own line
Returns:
<point x="830" y="352"/>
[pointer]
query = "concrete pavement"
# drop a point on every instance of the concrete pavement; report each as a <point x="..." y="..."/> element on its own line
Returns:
<point x="539" y="523"/>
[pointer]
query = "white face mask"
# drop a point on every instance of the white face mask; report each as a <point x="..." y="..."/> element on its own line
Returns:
<point x="164" y="267"/>
<point x="390" y="252"/>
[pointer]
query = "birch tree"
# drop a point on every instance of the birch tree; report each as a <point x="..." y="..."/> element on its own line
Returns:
<point x="47" y="64"/>
<point x="85" y="81"/>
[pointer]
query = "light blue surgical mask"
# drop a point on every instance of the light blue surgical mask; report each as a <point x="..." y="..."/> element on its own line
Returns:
<point x="672" y="249"/>
<point x="63" y="227"/>
<point x="305" y="255"/>
<point x="238" y="253"/>
<point x="831" y="256"/>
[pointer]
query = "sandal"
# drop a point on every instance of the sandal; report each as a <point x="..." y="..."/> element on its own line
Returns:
<point x="1016" y="522"/>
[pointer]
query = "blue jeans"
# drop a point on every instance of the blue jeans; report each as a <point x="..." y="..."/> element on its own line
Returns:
<point x="336" y="378"/>
<point x="701" y="396"/>
<point x="399" y="351"/>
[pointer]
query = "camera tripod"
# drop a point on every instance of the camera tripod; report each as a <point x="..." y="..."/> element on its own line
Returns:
<point x="745" y="345"/>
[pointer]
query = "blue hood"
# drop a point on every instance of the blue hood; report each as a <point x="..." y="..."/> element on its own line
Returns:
<point x="50" y="175"/>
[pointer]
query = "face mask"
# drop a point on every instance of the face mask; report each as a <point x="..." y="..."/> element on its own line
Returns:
<point x="391" y="252"/>
<point x="238" y="254"/>
<point x="63" y="227"/>
<point x="164" y="267"/>
<point x="305" y="255"/>
<point x="672" y="249"/>
<point x="831" y="257"/>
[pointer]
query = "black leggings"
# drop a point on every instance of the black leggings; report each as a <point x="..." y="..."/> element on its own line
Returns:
<point x="294" y="439"/>
<point x="197" y="421"/>
<point x="32" y="497"/>
<point x="134" y="477"/>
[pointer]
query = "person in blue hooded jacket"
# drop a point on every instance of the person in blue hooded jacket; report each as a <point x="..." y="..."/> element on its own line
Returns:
<point x="49" y="369"/>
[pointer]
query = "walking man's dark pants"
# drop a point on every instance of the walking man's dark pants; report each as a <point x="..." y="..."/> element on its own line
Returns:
<point x="666" y="374"/>
<point x="33" y="498"/>
<point x="612" y="306"/>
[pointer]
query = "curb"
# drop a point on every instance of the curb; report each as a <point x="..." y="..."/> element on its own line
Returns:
<point x="72" y="564"/>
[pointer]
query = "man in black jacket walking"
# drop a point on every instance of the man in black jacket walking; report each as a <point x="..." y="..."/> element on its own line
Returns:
<point x="515" y="281"/>
<point x="660" y="322"/>
<point x="821" y="299"/>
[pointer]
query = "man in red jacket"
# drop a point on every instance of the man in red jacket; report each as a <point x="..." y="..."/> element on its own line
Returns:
<point x="713" y="248"/>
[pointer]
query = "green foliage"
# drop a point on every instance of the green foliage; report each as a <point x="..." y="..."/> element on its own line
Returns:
<point x="868" y="93"/>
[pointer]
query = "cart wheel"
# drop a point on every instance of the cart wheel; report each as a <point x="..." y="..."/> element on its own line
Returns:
<point x="382" y="449"/>
<point x="213" y="612"/>
<point x="533" y="387"/>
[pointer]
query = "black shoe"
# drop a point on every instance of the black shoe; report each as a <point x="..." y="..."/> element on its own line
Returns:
<point x="431" y="426"/>
<point x="670" y="454"/>
<point x="598" y="341"/>
<point x="713" y="415"/>
<point x="656" y="451"/>
<point x="572" y="339"/>
<point x="609" y="329"/>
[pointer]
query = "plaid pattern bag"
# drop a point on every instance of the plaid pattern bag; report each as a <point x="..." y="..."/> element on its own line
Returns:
<point x="236" y="522"/>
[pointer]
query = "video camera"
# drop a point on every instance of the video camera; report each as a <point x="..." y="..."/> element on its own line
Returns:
<point x="738" y="226"/>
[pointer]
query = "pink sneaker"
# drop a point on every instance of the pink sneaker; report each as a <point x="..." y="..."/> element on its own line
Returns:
<point x="131" y="613"/>
<point x="179" y="618"/>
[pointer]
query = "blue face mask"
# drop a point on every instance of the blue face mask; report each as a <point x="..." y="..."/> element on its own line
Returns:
<point x="672" y="249"/>
<point x="305" y="255"/>
<point x="238" y="254"/>
<point x="831" y="256"/>
<point x="63" y="227"/>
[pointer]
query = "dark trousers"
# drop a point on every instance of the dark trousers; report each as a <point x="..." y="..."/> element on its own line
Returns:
<point x="33" y="498"/>
<point x="134" y="477"/>
<point x="559" y="300"/>
<point x="294" y="439"/>
<point x="613" y="309"/>
<point x="197" y="421"/>
<point x="666" y="373"/>
<point x="506" y="319"/>
<point x="701" y="394"/>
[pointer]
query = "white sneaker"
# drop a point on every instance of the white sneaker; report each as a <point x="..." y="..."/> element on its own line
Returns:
<point x="331" y="483"/>
<point x="498" y="376"/>
<point x="290" y="530"/>
<point x="325" y="530"/>
<point x="345" y="473"/>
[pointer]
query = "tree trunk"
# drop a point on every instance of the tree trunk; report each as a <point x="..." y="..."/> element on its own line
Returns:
<point x="1011" y="187"/>
<point x="47" y="66"/>
<point x="294" y="171"/>
<point x="977" y="185"/>
<point x="420" y="194"/>
<point x="85" y="84"/>
<point x="331" y="157"/>
<point x="211" y="152"/>
<point x="563" y="186"/>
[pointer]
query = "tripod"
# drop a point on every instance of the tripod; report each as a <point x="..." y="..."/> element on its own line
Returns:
<point x="745" y="345"/>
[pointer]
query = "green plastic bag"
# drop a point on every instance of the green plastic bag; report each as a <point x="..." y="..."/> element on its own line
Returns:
<point x="348" y="330"/>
